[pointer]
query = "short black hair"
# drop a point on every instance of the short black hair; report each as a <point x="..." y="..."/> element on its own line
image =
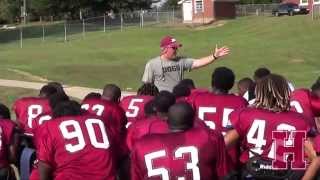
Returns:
<point x="188" y="82"/>
<point x="67" y="108"/>
<point x="148" y="89"/>
<point x="149" y="108"/>
<point x="57" y="98"/>
<point x="181" y="116"/>
<point x="4" y="112"/>
<point x="111" y="92"/>
<point x="58" y="86"/>
<point x="92" y="95"/>
<point x="261" y="73"/>
<point x="223" y="79"/>
<point x="163" y="101"/>
<point x="246" y="81"/>
<point x="316" y="85"/>
<point x="181" y="90"/>
<point x="47" y="90"/>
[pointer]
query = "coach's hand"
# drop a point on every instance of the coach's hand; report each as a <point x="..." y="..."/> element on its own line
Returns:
<point x="220" y="52"/>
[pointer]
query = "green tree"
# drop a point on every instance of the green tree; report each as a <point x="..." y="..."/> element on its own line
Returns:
<point x="170" y="4"/>
<point x="9" y="10"/>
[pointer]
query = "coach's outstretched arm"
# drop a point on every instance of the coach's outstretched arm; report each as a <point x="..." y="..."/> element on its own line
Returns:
<point x="218" y="52"/>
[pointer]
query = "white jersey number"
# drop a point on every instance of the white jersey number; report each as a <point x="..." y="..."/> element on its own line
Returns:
<point x="256" y="135"/>
<point x="134" y="109"/>
<point x="210" y="123"/>
<point x="178" y="154"/>
<point x="76" y="132"/>
<point x="297" y="106"/>
<point x="97" y="108"/>
<point x="33" y="111"/>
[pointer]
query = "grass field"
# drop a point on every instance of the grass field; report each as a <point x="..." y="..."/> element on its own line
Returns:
<point x="287" y="45"/>
<point x="9" y="95"/>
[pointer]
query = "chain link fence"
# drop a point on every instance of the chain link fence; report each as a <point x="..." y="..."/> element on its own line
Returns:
<point x="315" y="12"/>
<point x="255" y="9"/>
<point x="66" y="30"/>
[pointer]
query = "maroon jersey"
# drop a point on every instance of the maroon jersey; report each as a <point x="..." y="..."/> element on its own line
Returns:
<point x="134" y="107"/>
<point x="42" y="118"/>
<point x="255" y="127"/>
<point x="27" y="109"/>
<point x="6" y="135"/>
<point x="77" y="147"/>
<point x="112" y="114"/>
<point x="152" y="125"/>
<point x="304" y="102"/>
<point x="214" y="109"/>
<point x="193" y="154"/>
<point x="194" y="93"/>
<point x="142" y="127"/>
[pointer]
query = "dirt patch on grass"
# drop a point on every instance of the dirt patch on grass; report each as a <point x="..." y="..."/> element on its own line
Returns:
<point x="210" y="26"/>
<point x="29" y="75"/>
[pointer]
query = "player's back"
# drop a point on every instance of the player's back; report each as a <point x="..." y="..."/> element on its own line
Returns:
<point x="6" y="132"/>
<point x="27" y="109"/>
<point x="255" y="127"/>
<point x="304" y="102"/>
<point x="77" y="147"/>
<point x="138" y="129"/>
<point x="111" y="113"/>
<point x="193" y="154"/>
<point x="134" y="106"/>
<point x="215" y="109"/>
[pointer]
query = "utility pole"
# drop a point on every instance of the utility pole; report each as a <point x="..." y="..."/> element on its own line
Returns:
<point x="24" y="11"/>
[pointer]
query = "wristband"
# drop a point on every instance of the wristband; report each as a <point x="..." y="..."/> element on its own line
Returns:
<point x="214" y="57"/>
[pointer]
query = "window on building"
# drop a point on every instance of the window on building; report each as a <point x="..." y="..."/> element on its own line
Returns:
<point x="199" y="6"/>
<point x="303" y="1"/>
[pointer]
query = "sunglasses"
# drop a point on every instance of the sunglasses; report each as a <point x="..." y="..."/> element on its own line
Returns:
<point x="174" y="48"/>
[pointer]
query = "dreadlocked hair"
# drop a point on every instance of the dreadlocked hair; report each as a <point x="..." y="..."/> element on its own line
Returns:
<point x="148" y="89"/>
<point x="273" y="94"/>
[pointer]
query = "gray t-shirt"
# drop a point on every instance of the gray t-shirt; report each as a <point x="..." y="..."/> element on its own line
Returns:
<point x="165" y="74"/>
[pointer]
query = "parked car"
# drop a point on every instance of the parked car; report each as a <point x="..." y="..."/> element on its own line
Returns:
<point x="289" y="9"/>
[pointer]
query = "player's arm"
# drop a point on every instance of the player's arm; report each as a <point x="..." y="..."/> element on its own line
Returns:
<point x="14" y="145"/>
<point x="45" y="171"/>
<point x="135" y="172"/>
<point x="231" y="137"/>
<point x="313" y="169"/>
<point x="219" y="52"/>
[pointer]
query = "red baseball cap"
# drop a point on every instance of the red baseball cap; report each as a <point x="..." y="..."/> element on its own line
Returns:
<point x="169" y="41"/>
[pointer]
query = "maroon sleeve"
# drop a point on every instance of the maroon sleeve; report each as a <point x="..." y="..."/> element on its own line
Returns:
<point x="8" y="131"/>
<point x="222" y="164"/>
<point x="234" y="118"/>
<point x="129" y="137"/>
<point x="15" y="108"/>
<point x="245" y="103"/>
<point x="45" y="151"/>
<point x="135" y="171"/>
<point x="120" y="117"/>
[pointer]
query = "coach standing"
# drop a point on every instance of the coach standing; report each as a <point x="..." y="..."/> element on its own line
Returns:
<point x="167" y="70"/>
